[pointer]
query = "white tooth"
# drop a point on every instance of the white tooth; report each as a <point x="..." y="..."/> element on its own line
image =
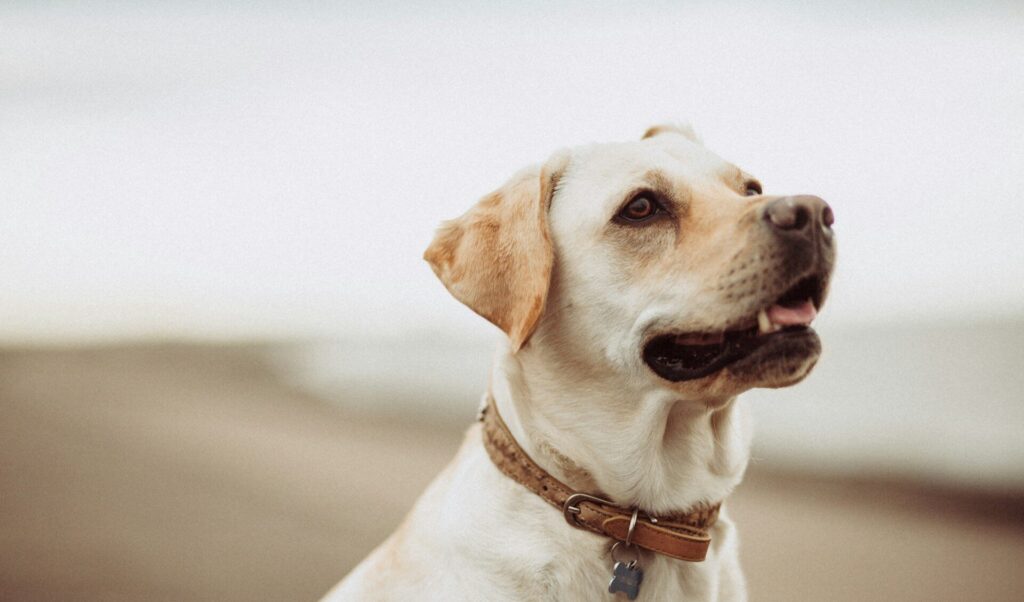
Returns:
<point x="764" y="325"/>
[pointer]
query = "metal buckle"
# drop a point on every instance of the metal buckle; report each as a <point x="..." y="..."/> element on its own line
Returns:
<point x="571" y="507"/>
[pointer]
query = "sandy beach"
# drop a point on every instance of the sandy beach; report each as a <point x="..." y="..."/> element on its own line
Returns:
<point x="193" y="472"/>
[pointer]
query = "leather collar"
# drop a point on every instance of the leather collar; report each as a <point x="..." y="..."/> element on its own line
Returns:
<point x="684" y="536"/>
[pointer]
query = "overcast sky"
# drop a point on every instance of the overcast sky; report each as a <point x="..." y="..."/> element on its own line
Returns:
<point x="185" y="171"/>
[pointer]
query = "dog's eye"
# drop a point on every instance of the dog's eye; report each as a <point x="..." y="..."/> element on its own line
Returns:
<point x="753" y="188"/>
<point x="640" y="209"/>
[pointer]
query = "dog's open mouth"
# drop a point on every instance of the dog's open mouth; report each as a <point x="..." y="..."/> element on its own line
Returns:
<point x="686" y="356"/>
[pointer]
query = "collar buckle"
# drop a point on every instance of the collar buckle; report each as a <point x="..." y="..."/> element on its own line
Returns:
<point x="571" y="507"/>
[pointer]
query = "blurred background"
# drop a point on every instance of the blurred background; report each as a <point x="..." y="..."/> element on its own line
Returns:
<point x="226" y="374"/>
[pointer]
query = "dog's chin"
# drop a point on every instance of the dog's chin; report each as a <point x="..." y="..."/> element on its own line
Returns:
<point x="786" y="359"/>
<point x="740" y="361"/>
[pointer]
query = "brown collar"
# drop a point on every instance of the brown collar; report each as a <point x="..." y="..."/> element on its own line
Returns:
<point x="682" y="536"/>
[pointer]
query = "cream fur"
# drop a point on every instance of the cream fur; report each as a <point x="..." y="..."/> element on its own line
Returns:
<point x="577" y="395"/>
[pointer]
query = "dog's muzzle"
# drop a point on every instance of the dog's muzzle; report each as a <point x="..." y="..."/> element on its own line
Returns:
<point x="786" y="296"/>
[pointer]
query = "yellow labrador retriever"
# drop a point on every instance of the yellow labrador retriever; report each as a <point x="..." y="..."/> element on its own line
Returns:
<point x="642" y="286"/>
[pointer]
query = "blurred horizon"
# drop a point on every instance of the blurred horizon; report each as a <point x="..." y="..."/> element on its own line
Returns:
<point x="179" y="172"/>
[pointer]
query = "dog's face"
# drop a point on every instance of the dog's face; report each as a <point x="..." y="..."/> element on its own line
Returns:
<point x="655" y="259"/>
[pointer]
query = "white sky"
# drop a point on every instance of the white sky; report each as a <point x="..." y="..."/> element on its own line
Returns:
<point x="194" y="172"/>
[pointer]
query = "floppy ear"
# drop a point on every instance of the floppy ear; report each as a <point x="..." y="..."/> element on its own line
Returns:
<point x="496" y="258"/>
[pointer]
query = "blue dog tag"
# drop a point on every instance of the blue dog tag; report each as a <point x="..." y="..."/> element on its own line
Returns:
<point x="626" y="578"/>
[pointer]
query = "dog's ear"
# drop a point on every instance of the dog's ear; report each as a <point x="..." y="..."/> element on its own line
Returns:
<point x="496" y="258"/>
<point x="683" y="129"/>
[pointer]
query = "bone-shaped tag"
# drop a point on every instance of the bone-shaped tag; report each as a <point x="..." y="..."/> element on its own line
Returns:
<point x="626" y="578"/>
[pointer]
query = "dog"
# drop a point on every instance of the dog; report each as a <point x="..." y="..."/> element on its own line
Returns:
<point x="642" y="286"/>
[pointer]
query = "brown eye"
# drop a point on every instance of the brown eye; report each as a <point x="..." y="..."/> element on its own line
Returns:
<point x="753" y="188"/>
<point x="641" y="208"/>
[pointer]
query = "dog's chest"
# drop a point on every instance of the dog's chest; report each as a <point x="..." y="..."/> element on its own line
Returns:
<point x="554" y="561"/>
<point x="589" y="579"/>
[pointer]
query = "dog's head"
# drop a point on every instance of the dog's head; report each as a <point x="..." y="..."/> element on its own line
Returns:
<point x="655" y="259"/>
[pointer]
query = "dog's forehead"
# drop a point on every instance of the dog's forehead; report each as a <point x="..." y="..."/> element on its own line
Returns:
<point x="602" y="172"/>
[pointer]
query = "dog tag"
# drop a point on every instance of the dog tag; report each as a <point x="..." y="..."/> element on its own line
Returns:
<point x="626" y="578"/>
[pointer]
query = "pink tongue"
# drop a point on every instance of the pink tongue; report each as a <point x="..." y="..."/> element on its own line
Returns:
<point x="800" y="315"/>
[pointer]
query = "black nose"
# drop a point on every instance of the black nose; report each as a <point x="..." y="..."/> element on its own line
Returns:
<point x="797" y="213"/>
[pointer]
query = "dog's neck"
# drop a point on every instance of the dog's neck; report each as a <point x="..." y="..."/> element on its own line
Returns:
<point x="637" y="443"/>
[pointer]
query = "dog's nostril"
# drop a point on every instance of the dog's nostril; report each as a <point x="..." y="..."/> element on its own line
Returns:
<point x="785" y="214"/>
<point x="794" y="213"/>
<point x="800" y="219"/>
